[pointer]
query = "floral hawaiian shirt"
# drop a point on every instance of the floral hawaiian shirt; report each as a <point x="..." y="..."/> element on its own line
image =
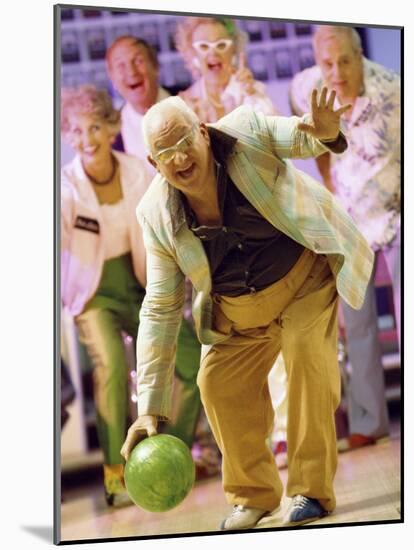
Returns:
<point x="367" y="175"/>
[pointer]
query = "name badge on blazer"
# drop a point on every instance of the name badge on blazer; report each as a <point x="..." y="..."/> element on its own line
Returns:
<point x="88" y="224"/>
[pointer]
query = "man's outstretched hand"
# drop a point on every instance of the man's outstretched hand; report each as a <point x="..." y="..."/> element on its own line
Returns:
<point x="144" y="426"/>
<point x="325" y="121"/>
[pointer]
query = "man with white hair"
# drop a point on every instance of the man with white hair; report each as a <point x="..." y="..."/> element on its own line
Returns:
<point x="366" y="180"/>
<point x="267" y="250"/>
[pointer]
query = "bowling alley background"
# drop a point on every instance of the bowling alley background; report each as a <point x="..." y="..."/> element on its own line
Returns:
<point x="276" y="51"/>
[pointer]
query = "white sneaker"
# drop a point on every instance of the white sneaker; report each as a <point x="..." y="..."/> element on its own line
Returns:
<point x="242" y="518"/>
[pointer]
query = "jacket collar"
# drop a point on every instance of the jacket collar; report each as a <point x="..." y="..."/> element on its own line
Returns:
<point x="80" y="172"/>
<point x="84" y="186"/>
<point x="222" y="144"/>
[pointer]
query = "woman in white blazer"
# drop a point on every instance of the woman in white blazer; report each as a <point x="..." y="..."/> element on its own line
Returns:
<point x="102" y="258"/>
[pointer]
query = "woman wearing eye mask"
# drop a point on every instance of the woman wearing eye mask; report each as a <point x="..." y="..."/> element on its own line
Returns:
<point x="213" y="50"/>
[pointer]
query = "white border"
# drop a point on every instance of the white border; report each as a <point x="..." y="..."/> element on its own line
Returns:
<point x="27" y="281"/>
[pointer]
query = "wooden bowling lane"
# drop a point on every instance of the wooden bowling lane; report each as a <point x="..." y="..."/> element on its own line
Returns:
<point x="367" y="487"/>
<point x="89" y="517"/>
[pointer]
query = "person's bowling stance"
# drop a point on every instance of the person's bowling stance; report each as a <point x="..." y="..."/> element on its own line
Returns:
<point x="267" y="250"/>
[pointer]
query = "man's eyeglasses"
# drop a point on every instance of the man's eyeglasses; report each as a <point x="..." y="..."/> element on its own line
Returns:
<point x="167" y="155"/>
<point x="203" y="47"/>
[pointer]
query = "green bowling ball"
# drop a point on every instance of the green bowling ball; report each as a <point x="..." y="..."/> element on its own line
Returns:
<point x="159" y="473"/>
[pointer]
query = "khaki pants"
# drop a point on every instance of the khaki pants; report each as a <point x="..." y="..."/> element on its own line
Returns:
<point x="297" y="315"/>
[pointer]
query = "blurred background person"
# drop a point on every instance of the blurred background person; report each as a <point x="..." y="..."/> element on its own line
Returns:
<point x="133" y="68"/>
<point x="103" y="258"/>
<point x="214" y="51"/>
<point x="278" y="395"/>
<point x="366" y="180"/>
<point x="67" y="393"/>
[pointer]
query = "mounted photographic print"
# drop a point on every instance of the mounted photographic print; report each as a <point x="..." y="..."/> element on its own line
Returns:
<point x="228" y="321"/>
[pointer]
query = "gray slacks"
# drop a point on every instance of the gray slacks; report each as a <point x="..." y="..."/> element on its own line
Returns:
<point x="367" y="405"/>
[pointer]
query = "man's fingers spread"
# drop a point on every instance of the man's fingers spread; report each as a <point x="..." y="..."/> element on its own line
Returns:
<point x="331" y="99"/>
<point x="314" y="99"/>
<point x="322" y="99"/>
<point x="343" y="109"/>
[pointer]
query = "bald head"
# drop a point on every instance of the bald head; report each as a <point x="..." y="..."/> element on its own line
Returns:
<point x="329" y="32"/>
<point x="179" y="147"/>
<point x="339" y="55"/>
<point x="160" y="117"/>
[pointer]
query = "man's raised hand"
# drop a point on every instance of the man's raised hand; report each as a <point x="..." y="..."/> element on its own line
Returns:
<point x="325" y="120"/>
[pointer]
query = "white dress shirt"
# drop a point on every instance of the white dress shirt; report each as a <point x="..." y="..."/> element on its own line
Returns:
<point x="131" y="131"/>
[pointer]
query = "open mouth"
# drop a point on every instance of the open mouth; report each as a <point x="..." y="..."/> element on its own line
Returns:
<point x="185" y="174"/>
<point x="136" y="85"/>
<point x="215" y="66"/>
<point x="90" y="150"/>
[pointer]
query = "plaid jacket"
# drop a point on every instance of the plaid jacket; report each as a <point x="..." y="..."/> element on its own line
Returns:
<point x="289" y="199"/>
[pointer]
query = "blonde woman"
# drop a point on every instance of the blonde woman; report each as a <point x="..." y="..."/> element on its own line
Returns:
<point x="213" y="51"/>
<point x="103" y="258"/>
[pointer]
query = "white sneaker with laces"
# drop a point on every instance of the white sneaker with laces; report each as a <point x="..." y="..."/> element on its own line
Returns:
<point x="242" y="518"/>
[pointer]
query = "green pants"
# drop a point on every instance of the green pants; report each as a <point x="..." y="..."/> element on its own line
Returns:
<point x="188" y="402"/>
<point x="115" y="309"/>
